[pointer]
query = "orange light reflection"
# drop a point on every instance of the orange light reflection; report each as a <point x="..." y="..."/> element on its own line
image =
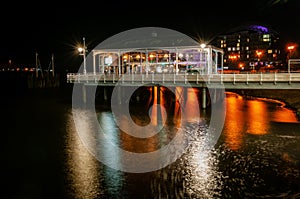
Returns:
<point x="257" y="117"/>
<point x="235" y="122"/>
<point x="192" y="106"/>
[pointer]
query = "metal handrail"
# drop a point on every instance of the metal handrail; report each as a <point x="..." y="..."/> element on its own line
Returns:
<point x="185" y="77"/>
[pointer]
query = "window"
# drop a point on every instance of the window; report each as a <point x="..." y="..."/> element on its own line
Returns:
<point x="229" y="49"/>
<point x="266" y="37"/>
<point x="270" y="51"/>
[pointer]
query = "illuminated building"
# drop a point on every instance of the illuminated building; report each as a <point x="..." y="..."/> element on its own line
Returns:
<point x="250" y="46"/>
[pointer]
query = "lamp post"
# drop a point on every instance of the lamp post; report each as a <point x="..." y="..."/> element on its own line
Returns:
<point x="82" y="51"/>
<point x="290" y="49"/>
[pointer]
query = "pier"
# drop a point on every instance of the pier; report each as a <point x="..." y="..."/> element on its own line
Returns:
<point x="203" y="82"/>
<point x="228" y="81"/>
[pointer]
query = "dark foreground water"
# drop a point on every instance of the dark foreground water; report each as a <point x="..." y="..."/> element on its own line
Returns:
<point x="42" y="156"/>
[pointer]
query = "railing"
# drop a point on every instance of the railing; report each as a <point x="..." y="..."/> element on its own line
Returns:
<point x="183" y="78"/>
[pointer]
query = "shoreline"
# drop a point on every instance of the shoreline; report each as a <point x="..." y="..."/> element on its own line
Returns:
<point x="291" y="98"/>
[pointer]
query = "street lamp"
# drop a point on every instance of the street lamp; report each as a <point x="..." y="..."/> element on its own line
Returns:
<point x="82" y="51"/>
<point x="290" y="48"/>
<point x="258" y="53"/>
<point x="203" y="45"/>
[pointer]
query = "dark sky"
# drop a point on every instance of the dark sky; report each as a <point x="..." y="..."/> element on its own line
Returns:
<point x="56" y="27"/>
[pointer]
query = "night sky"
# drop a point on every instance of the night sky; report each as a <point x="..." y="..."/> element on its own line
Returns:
<point x="52" y="27"/>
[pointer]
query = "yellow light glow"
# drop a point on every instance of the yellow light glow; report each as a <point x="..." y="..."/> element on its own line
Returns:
<point x="259" y="53"/>
<point x="202" y="45"/>
<point x="291" y="47"/>
<point x="80" y="49"/>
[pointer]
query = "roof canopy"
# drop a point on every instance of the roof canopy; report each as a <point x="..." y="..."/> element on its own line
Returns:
<point x="147" y="38"/>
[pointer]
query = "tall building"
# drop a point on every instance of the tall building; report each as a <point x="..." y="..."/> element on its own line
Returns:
<point x="249" y="47"/>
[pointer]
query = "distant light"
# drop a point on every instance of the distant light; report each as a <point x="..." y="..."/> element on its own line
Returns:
<point x="291" y="47"/>
<point x="80" y="49"/>
<point x="260" y="29"/>
<point x="202" y="45"/>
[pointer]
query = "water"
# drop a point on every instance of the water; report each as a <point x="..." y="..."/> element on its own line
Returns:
<point x="256" y="156"/>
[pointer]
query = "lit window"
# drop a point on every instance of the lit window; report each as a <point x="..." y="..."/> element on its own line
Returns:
<point x="222" y="41"/>
<point x="238" y="44"/>
<point x="266" y="37"/>
<point x="248" y="56"/>
<point x="247" y="47"/>
<point x="229" y="49"/>
<point x="222" y="45"/>
<point x="233" y="48"/>
<point x="248" y="40"/>
<point x="237" y="48"/>
<point x="270" y="51"/>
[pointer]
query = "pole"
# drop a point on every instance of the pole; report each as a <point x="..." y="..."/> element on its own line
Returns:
<point x="84" y="59"/>
<point x="36" y="65"/>
<point x="52" y="62"/>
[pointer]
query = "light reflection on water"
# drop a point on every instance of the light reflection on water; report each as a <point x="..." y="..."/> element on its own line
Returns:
<point x="254" y="158"/>
<point x="82" y="168"/>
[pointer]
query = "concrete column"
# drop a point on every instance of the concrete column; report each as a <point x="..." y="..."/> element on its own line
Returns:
<point x="209" y="61"/>
<point x="158" y="95"/>
<point x="119" y="95"/>
<point x="216" y="62"/>
<point x="94" y="64"/>
<point x="222" y="59"/>
<point x="104" y="93"/>
<point x="215" y="96"/>
<point x="83" y="94"/>
<point x="119" y="63"/>
<point x="204" y="97"/>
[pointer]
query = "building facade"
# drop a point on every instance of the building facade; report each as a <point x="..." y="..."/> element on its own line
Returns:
<point x="250" y="47"/>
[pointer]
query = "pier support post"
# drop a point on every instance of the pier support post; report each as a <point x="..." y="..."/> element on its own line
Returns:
<point x="84" y="94"/>
<point x="158" y="107"/>
<point x="105" y="93"/>
<point x="119" y="95"/>
<point x="215" y="96"/>
<point x="204" y="98"/>
<point x="158" y="95"/>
